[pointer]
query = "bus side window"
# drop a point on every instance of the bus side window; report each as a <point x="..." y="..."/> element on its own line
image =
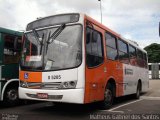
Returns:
<point x="123" y="51"/>
<point x="140" y="58"/>
<point x="94" y="48"/>
<point x="111" y="47"/>
<point x="11" y="55"/>
<point x="132" y="55"/>
<point x="145" y="60"/>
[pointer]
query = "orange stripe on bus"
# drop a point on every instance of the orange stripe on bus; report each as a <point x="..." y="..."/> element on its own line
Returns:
<point x="31" y="76"/>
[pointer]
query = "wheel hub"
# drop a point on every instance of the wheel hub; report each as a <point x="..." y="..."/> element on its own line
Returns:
<point x="108" y="97"/>
<point x="12" y="94"/>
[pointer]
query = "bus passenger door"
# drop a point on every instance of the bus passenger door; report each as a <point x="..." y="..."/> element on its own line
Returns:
<point x="95" y="65"/>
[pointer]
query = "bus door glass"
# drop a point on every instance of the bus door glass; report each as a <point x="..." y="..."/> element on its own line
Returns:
<point x="95" y="65"/>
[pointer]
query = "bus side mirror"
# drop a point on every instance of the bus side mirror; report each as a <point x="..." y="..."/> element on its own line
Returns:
<point x="15" y="43"/>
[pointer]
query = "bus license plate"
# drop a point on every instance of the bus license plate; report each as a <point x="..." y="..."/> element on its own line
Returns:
<point x="42" y="95"/>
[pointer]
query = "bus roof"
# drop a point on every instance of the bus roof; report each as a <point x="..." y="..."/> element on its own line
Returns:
<point x="8" y="31"/>
<point x="112" y="32"/>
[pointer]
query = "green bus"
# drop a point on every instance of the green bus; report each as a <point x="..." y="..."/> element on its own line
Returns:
<point x="10" y="51"/>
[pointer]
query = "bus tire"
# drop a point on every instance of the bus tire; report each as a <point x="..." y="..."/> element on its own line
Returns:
<point x="138" y="91"/>
<point x="108" y="97"/>
<point x="11" y="97"/>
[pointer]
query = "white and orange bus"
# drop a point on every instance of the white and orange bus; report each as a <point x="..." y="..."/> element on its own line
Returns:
<point x="74" y="59"/>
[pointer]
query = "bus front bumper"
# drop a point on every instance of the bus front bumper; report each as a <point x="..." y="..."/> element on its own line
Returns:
<point x="65" y="95"/>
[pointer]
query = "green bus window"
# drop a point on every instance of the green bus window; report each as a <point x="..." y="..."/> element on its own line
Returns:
<point x="11" y="54"/>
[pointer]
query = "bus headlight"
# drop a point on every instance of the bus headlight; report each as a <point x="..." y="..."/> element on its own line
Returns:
<point x="23" y="84"/>
<point x="68" y="85"/>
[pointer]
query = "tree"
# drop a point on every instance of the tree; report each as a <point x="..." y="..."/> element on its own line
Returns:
<point x="153" y="51"/>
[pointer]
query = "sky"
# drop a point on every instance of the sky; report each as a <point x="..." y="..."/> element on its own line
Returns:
<point x="137" y="20"/>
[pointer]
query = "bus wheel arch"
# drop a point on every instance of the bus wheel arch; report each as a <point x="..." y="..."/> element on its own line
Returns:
<point x="10" y="93"/>
<point x="113" y="84"/>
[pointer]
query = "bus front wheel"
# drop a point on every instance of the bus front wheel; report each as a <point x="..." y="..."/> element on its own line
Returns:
<point x="108" y="97"/>
<point x="11" y="96"/>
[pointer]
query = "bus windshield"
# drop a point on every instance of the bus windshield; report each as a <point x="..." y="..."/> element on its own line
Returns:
<point x="43" y="52"/>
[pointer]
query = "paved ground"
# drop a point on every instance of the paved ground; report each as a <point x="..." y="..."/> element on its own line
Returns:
<point x="146" y="108"/>
<point x="154" y="88"/>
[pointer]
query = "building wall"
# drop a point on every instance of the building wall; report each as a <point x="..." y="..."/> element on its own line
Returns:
<point x="154" y="70"/>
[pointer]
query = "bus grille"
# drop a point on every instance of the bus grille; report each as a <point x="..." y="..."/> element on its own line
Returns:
<point x="48" y="86"/>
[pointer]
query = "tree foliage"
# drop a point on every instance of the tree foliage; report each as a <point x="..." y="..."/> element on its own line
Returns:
<point x="153" y="51"/>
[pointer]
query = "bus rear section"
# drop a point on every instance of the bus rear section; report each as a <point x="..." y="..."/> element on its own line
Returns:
<point x="74" y="59"/>
<point x="10" y="50"/>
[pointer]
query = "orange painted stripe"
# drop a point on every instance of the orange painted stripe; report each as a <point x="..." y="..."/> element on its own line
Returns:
<point x="32" y="76"/>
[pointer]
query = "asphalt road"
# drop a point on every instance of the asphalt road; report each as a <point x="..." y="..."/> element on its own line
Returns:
<point x="124" y="108"/>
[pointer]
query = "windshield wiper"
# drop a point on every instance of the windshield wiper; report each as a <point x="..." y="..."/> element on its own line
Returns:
<point x="36" y="35"/>
<point x="52" y="37"/>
